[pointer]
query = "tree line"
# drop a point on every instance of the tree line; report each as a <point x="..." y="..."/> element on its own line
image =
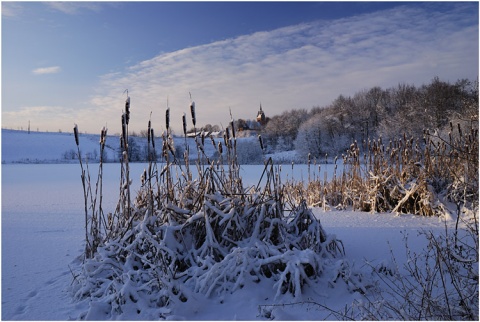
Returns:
<point x="373" y="113"/>
<point x="403" y="110"/>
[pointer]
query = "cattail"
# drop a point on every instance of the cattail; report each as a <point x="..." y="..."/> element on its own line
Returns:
<point x="127" y="109"/>
<point x="153" y="138"/>
<point x="233" y="128"/>
<point x="192" y="110"/>
<point x="184" y="120"/>
<point x="220" y="148"/>
<point x="261" y="142"/>
<point x="124" y="129"/>
<point x="75" y="132"/>
<point x="167" y="118"/>
<point x="459" y="130"/>
<point x="103" y="136"/>
<point x="148" y="131"/>
<point x="227" y="136"/>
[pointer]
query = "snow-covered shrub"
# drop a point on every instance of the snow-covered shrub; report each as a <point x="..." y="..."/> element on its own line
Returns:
<point x="182" y="235"/>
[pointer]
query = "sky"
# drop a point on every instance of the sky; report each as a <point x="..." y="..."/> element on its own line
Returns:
<point x="66" y="63"/>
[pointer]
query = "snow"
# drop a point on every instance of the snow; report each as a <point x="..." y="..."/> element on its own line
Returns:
<point x="43" y="147"/>
<point x="56" y="147"/>
<point x="43" y="236"/>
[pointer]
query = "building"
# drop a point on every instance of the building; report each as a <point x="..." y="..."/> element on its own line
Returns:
<point x="261" y="116"/>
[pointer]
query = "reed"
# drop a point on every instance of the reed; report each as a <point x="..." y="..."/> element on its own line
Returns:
<point x="179" y="227"/>
<point x="403" y="176"/>
<point x="94" y="215"/>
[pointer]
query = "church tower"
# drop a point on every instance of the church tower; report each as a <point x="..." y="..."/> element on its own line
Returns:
<point x="261" y="116"/>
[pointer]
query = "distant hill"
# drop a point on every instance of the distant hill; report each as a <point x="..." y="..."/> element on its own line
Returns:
<point x="55" y="147"/>
<point x="49" y="147"/>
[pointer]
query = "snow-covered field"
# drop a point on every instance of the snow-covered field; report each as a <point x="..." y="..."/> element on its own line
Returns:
<point x="43" y="234"/>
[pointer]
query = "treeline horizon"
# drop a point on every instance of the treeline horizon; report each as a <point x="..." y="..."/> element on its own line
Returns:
<point x="404" y="110"/>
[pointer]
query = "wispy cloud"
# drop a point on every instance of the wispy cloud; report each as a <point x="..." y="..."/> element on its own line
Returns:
<point x="11" y="9"/>
<point x="46" y="70"/>
<point x="35" y="111"/>
<point x="41" y="116"/>
<point x="299" y="66"/>
<point x="74" y="7"/>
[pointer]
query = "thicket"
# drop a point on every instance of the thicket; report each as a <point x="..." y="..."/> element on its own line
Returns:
<point x="404" y="175"/>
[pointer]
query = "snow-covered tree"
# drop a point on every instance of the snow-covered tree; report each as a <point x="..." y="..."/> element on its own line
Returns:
<point x="321" y="134"/>
<point x="249" y="151"/>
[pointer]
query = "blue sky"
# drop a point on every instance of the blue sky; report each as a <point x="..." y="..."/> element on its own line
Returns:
<point x="66" y="63"/>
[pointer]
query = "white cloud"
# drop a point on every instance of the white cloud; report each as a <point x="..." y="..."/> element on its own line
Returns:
<point x="73" y="7"/>
<point x="34" y="111"/>
<point x="41" y="116"/>
<point x="46" y="70"/>
<point x="298" y="66"/>
<point x="11" y="9"/>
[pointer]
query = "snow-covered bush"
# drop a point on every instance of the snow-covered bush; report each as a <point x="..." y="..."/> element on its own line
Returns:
<point x="182" y="235"/>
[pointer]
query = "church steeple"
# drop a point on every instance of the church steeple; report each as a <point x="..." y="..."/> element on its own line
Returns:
<point x="261" y="116"/>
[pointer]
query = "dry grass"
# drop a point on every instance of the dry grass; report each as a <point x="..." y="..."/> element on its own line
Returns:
<point x="407" y="175"/>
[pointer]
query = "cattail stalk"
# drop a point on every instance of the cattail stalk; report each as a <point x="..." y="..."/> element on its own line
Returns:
<point x="88" y="247"/>
<point x="127" y="109"/>
<point x="184" y="121"/>
<point x="126" y="185"/>
<point x="152" y="135"/>
<point x="192" y="111"/>
<point x="167" y="119"/>
<point x="75" y="132"/>
<point x="103" y="138"/>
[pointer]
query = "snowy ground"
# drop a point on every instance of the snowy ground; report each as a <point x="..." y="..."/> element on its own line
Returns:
<point x="42" y="233"/>
<point x="55" y="147"/>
